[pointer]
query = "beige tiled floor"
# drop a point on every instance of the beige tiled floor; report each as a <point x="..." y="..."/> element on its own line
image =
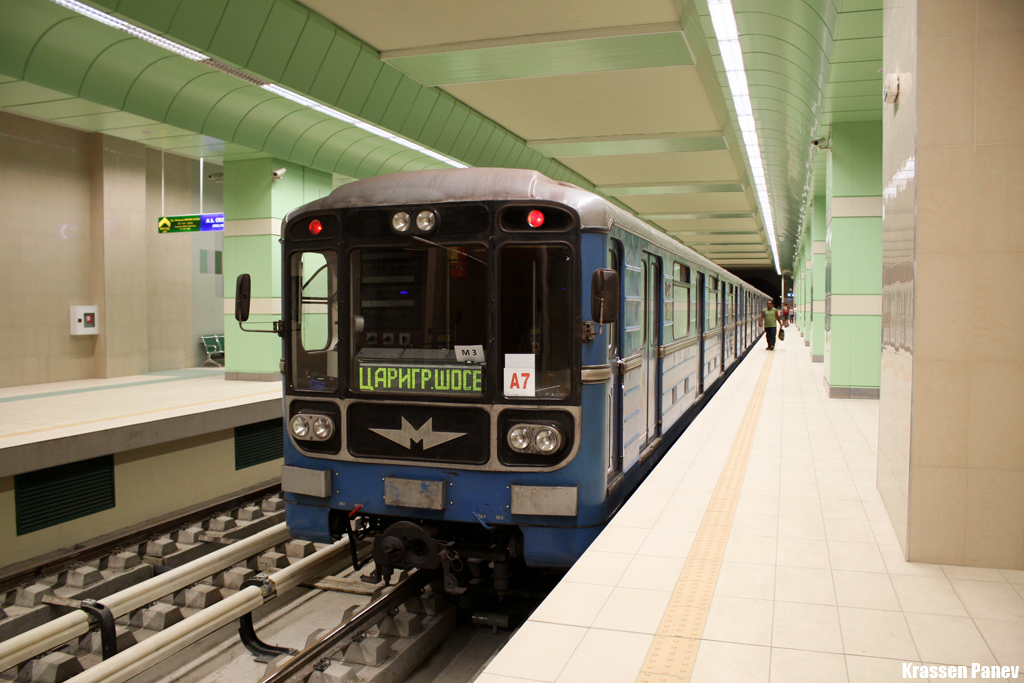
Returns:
<point x="51" y="411"/>
<point x="813" y="586"/>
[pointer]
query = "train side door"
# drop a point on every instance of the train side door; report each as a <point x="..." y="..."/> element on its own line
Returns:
<point x="614" y="396"/>
<point x="701" y="326"/>
<point x="652" y="342"/>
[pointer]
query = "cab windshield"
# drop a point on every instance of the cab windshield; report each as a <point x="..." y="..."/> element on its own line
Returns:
<point x="419" y="319"/>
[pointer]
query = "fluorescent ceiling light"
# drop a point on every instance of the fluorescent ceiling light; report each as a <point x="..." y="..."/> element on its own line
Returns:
<point x="189" y="53"/>
<point x="131" y="30"/>
<point x="724" y="21"/>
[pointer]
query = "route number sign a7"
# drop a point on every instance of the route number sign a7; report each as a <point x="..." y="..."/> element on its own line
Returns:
<point x="519" y="375"/>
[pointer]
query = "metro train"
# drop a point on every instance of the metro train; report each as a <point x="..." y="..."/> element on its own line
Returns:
<point x="481" y="365"/>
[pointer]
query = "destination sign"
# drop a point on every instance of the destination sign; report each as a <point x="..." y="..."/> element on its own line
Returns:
<point x="203" y="222"/>
<point x="462" y="380"/>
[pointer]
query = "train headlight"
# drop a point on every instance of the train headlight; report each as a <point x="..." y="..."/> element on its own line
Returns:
<point x="520" y="438"/>
<point x="426" y="221"/>
<point x="300" y="426"/>
<point x="547" y="440"/>
<point x="401" y="222"/>
<point x="323" y="428"/>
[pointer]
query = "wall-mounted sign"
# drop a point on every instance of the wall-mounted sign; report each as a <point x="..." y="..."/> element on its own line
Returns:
<point x="203" y="222"/>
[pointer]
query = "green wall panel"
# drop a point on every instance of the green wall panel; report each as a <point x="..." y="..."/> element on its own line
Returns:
<point x="258" y="255"/>
<point x="247" y="189"/>
<point x="282" y="136"/>
<point x="248" y="351"/>
<point x="434" y="124"/>
<point x="856" y="159"/>
<point x="315" y="184"/>
<point x="24" y="21"/>
<point x="466" y="136"/>
<point x="360" y="80"/>
<point x="156" y="88"/>
<point x="223" y="117"/>
<point x="380" y="94"/>
<point x="854" y="357"/>
<point x="114" y="72"/>
<point x="420" y="112"/>
<point x="193" y="103"/>
<point x="452" y="127"/>
<point x="256" y="125"/>
<point x="309" y="54"/>
<point x="401" y="103"/>
<point x="278" y="40"/>
<point x="155" y="15"/>
<point x="70" y="47"/>
<point x="309" y="143"/>
<point x="334" y="71"/>
<point x="195" y="21"/>
<point x="239" y="29"/>
<point x="856" y="245"/>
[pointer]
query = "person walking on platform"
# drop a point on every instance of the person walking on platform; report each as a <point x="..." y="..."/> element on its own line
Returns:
<point x="770" y="322"/>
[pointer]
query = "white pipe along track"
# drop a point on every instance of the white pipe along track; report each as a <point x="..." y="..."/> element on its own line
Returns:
<point x="52" y="634"/>
<point x="159" y="647"/>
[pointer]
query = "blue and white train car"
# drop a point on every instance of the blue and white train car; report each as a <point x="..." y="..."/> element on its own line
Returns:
<point x="485" y="363"/>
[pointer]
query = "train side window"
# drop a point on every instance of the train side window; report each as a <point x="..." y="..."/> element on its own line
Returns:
<point x="681" y="301"/>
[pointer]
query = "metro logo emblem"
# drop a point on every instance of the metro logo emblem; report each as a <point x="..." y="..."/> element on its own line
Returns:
<point x="406" y="436"/>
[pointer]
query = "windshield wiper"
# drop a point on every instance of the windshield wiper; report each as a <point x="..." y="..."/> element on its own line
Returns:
<point x="441" y="246"/>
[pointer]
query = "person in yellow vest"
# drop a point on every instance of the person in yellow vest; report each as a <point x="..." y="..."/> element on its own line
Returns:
<point x="770" y="323"/>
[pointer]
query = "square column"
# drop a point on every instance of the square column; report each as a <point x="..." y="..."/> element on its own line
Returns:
<point x="816" y="266"/>
<point x="853" y="261"/>
<point x="255" y="203"/>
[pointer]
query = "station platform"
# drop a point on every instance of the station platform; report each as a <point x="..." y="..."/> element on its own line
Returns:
<point x="759" y="550"/>
<point x="46" y="425"/>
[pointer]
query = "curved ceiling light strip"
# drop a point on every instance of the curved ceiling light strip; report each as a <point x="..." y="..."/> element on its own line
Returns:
<point x="189" y="53"/>
<point x="724" y="22"/>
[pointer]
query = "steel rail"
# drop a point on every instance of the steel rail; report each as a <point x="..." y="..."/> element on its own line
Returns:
<point x="303" y="663"/>
<point x="149" y="652"/>
<point x="26" y="645"/>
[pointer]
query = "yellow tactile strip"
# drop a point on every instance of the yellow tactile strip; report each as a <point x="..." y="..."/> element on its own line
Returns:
<point x="674" y="650"/>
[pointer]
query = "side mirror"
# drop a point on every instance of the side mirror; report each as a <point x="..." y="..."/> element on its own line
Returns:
<point x="604" y="296"/>
<point x="243" y="288"/>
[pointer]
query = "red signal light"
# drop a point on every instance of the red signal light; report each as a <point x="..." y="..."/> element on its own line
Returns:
<point x="535" y="219"/>
<point x="315" y="227"/>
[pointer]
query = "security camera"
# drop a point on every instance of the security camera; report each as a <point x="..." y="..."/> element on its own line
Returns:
<point x="216" y="177"/>
<point x="279" y="173"/>
<point x="820" y="143"/>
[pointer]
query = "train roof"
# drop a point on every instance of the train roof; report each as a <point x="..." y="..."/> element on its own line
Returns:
<point x="499" y="184"/>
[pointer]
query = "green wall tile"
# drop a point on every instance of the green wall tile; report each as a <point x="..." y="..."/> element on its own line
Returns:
<point x="311" y="141"/>
<point x="865" y="350"/>
<point x="839" y="350"/>
<point x="282" y="137"/>
<point x="191" y="106"/>
<point x="452" y="127"/>
<point x="466" y="135"/>
<point x="78" y="42"/>
<point x="287" y="192"/>
<point x="257" y="123"/>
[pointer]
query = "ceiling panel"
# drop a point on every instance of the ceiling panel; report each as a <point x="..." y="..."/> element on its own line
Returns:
<point x="403" y="24"/>
<point x="704" y="201"/>
<point x="652" y="168"/>
<point x="587" y="105"/>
